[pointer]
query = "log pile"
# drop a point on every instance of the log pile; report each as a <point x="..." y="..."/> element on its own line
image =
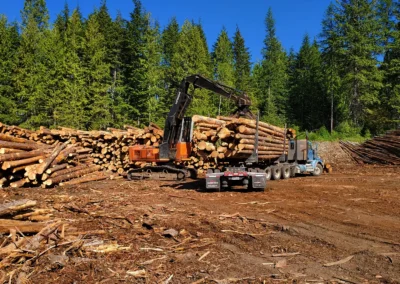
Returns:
<point x="67" y="156"/>
<point x="222" y="139"/>
<point x="379" y="150"/>
<point x="26" y="162"/>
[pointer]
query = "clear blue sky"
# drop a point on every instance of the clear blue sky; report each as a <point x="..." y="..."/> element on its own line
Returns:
<point x="293" y="18"/>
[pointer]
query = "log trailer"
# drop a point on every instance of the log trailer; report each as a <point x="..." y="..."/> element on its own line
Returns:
<point x="166" y="161"/>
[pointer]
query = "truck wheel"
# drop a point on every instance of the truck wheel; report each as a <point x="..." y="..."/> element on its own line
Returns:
<point x="292" y="172"/>
<point x="276" y="173"/>
<point x="285" y="172"/>
<point x="268" y="173"/>
<point x="318" y="170"/>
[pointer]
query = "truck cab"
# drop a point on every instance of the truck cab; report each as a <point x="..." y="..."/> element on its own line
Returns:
<point x="304" y="157"/>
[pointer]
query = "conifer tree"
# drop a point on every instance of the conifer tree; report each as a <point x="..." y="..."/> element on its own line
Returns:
<point x="332" y="61"/>
<point x="169" y="40"/>
<point x="71" y="110"/>
<point x="134" y="63"/>
<point x="307" y="104"/>
<point x="31" y="71"/>
<point x="223" y="68"/>
<point x="272" y="96"/>
<point x="191" y="57"/>
<point x="390" y="94"/>
<point x="9" y="40"/>
<point x="241" y="58"/>
<point x="96" y="77"/>
<point x="362" y="80"/>
<point x="154" y="89"/>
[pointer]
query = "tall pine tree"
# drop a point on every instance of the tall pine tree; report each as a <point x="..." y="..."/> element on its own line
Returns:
<point x="272" y="95"/>
<point x="223" y="68"/>
<point x="191" y="57"/>
<point x="308" y="104"/>
<point x="242" y="64"/>
<point x="9" y="41"/>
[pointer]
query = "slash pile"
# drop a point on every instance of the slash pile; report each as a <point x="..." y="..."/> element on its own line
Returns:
<point x="223" y="139"/>
<point x="379" y="150"/>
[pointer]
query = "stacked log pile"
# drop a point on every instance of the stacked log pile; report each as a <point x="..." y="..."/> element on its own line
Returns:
<point x="25" y="162"/>
<point x="379" y="150"/>
<point x="219" y="140"/>
<point x="67" y="156"/>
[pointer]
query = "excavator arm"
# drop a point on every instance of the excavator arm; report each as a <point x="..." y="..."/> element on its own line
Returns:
<point x="175" y="123"/>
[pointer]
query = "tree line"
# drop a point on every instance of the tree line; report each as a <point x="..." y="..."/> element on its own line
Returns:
<point x="99" y="72"/>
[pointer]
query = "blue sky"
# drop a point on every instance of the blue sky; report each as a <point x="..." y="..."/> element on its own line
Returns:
<point x="293" y="18"/>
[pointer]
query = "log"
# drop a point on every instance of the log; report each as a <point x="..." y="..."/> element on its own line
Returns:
<point x="72" y="175"/>
<point x="224" y="133"/>
<point x="252" y="123"/>
<point x="10" y="138"/>
<point x="43" y="167"/>
<point x="85" y="179"/>
<point x="56" y="168"/>
<point x="11" y="208"/>
<point x="260" y="153"/>
<point x="209" y="120"/>
<point x="267" y="147"/>
<point x="68" y="170"/>
<point x="20" y="146"/>
<point x="250" y="139"/>
<point x="19" y="183"/>
<point x="63" y="155"/>
<point x="8" y="165"/>
<point x="20" y="155"/>
<point x="202" y="145"/>
<point x="210" y="147"/>
<point x="23" y="226"/>
<point x="249" y="130"/>
<point x="10" y="150"/>
<point x="200" y="136"/>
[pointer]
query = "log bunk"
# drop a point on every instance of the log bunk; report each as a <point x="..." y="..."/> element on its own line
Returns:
<point x="67" y="156"/>
<point x="383" y="149"/>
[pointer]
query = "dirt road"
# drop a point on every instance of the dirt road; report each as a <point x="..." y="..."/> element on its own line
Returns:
<point x="234" y="236"/>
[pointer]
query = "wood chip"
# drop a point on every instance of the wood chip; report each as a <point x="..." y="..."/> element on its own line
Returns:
<point x="204" y="255"/>
<point x="344" y="260"/>
<point x="285" y="254"/>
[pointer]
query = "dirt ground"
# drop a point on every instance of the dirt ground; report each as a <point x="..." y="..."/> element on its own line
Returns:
<point x="233" y="236"/>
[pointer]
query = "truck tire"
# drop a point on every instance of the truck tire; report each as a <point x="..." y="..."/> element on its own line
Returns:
<point x="268" y="172"/>
<point x="292" y="171"/>
<point x="318" y="170"/>
<point x="285" y="172"/>
<point x="276" y="173"/>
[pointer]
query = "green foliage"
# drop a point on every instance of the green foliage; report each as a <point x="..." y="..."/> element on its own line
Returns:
<point x="308" y="103"/>
<point x="191" y="57"/>
<point x="223" y="69"/>
<point x="9" y="41"/>
<point x="98" y="72"/>
<point x="242" y="65"/>
<point x="272" y="94"/>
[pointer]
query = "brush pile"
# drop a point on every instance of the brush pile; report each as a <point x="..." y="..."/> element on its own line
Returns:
<point x="222" y="139"/>
<point x="379" y="150"/>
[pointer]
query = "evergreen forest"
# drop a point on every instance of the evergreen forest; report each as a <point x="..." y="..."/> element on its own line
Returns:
<point x="99" y="71"/>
